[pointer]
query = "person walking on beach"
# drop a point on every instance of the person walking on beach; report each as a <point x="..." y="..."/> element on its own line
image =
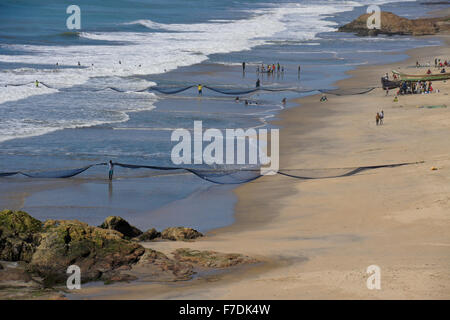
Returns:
<point x="377" y="118"/>
<point x="381" y="116"/>
<point x="200" y="90"/>
<point x="111" y="169"/>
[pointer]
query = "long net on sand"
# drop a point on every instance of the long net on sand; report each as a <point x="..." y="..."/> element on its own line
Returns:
<point x="224" y="89"/>
<point x="347" y="92"/>
<point x="216" y="175"/>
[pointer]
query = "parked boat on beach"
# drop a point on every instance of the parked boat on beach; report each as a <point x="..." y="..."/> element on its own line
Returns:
<point x="419" y="77"/>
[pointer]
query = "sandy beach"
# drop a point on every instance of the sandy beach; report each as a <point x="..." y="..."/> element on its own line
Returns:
<point x="312" y="239"/>
<point x="318" y="237"/>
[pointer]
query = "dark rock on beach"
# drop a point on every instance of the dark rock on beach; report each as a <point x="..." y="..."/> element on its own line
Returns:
<point x="156" y="266"/>
<point x="180" y="234"/>
<point x="96" y="251"/>
<point x="121" y="225"/>
<point x="392" y="24"/>
<point x="35" y="255"/>
<point x="211" y="259"/>
<point x="148" y="235"/>
<point x="19" y="235"/>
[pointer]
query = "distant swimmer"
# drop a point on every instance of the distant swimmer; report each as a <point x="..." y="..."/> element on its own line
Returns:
<point x="111" y="169"/>
<point x="258" y="83"/>
<point x="200" y="89"/>
<point x="37" y="83"/>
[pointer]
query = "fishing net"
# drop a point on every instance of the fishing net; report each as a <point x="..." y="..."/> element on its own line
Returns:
<point x="66" y="173"/>
<point x="232" y="91"/>
<point x="347" y="92"/>
<point x="218" y="175"/>
<point x="169" y="90"/>
<point x="227" y="90"/>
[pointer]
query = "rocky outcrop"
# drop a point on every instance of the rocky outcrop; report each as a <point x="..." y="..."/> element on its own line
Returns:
<point x="211" y="259"/>
<point x="180" y="234"/>
<point x="98" y="252"/>
<point x="121" y="225"/>
<point x="148" y="235"/>
<point x="156" y="266"/>
<point x="392" y="24"/>
<point x="19" y="235"/>
<point x="38" y="254"/>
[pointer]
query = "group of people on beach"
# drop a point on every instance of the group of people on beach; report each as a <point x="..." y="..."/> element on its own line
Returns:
<point x="419" y="87"/>
<point x="270" y="69"/>
<point x="439" y="64"/>
<point x="442" y="71"/>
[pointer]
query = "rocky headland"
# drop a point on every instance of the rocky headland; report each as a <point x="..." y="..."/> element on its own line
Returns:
<point x="35" y="255"/>
<point x="391" y="24"/>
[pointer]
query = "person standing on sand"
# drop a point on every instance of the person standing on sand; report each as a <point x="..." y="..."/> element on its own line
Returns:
<point x="381" y="116"/>
<point x="243" y="66"/>
<point x="111" y="169"/>
<point x="377" y="118"/>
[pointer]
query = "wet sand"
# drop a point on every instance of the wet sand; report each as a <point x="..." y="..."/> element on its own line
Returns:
<point x="317" y="237"/>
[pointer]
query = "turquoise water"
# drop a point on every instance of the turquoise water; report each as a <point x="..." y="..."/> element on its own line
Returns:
<point x="135" y="44"/>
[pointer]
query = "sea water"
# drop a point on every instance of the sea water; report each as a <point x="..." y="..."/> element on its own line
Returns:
<point x="134" y="44"/>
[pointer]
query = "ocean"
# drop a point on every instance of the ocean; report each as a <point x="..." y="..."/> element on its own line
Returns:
<point x="74" y="119"/>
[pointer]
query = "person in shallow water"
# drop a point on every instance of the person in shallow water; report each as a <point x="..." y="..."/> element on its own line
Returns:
<point x="111" y="169"/>
<point x="200" y="89"/>
<point x="258" y="83"/>
<point x="37" y="83"/>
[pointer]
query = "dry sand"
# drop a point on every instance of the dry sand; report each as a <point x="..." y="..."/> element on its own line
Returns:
<point x="317" y="237"/>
